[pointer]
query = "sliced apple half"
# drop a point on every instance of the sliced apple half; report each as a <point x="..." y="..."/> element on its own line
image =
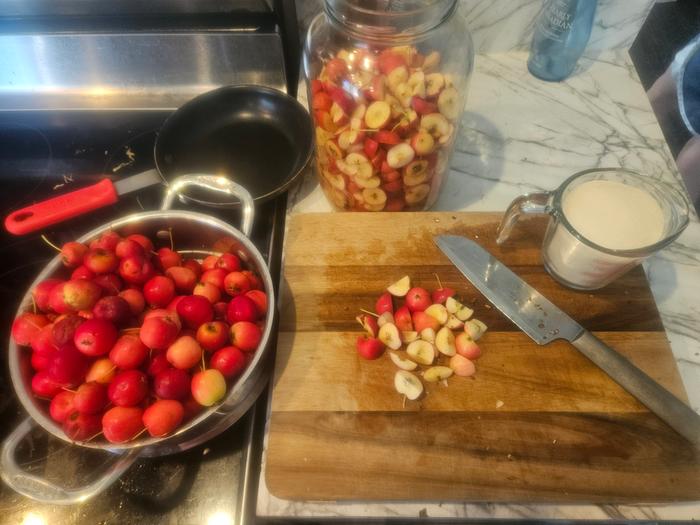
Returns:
<point x="464" y="313"/>
<point x="389" y="335"/>
<point x="435" y="124"/>
<point x="462" y="366"/>
<point x="438" y="312"/>
<point x="401" y="287"/>
<point x="475" y="328"/>
<point x="384" y="318"/>
<point x="400" y="155"/>
<point x="378" y="114"/>
<point x="437" y="373"/>
<point x="403" y="364"/>
<point x="407" y="384"/>
<point x="422" y="142"/>
<point x="453" y="323"/>
<point x="416" y="194"/>
<point x="448" y="103"/>
<point x="445" y="341"/>
<point x="408" y="336"/>
<point x="434" y="82"/>
<point x="415" y="172"/>
<point x="428" y="334"/>
<point x="422" y="352"/>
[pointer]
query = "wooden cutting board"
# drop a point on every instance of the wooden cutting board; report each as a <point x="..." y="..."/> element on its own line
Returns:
<point x="535" y="424"/>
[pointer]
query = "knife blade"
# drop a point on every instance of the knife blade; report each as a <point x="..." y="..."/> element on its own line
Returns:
<point x="543" y="321"/>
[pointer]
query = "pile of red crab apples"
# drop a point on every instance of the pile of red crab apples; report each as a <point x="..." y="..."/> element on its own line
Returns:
<point x="130" y="340"/>
<point x="385" y="123"/>
<point x="439" y="333"/>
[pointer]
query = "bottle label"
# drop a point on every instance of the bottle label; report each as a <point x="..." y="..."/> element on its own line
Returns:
<point x="557" y="17"/>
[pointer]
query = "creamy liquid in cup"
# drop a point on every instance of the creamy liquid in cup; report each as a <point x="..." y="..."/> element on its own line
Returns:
<point x="610" y="214"/>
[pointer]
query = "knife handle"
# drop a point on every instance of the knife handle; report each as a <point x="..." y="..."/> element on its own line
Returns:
<point x="656" y="398"/>
<point x="63" y="207"/>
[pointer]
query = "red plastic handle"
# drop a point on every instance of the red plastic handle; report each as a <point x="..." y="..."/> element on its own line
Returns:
<point x="61" y="208"/>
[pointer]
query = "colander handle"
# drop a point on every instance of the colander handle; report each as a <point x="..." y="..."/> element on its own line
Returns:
<point x="217" y="184"/>
<point x="41" y="489"/>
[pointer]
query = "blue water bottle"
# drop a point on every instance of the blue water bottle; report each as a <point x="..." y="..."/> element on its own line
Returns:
<point x="561" y="34"/>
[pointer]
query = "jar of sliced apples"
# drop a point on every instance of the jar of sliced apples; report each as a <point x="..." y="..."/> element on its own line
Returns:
<point x="387" y="84"/>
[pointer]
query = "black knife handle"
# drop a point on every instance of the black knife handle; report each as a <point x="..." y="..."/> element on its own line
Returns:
<point x="656" y="398"/>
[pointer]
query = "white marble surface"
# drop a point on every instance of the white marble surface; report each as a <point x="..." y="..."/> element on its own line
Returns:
<point x="521" y="134"/>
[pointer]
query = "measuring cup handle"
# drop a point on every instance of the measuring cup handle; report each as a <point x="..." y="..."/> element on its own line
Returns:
<point x="41" y="489"/>
<point x="528" y="204"/>
<point x="220" y="185"/>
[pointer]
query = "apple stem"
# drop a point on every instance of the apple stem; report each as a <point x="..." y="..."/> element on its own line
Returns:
<point x="137" y="435"/>
<point x="438" y="280"/>
<point x="170" y="234"/>
<point x="33" y="304"/>
<point x="368" y="312"/>
<point x="403" y="402"/>
<point x="204" y="366"/>
<point x="47" y="241"/>
<point x="68" y="389"/>
<point x="93" y="437"/>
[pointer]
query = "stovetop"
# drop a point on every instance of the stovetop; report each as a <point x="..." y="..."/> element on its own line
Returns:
<point x="43" y="153"/>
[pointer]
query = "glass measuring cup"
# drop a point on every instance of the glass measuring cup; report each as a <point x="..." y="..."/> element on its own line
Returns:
<point x="574" y="259"/>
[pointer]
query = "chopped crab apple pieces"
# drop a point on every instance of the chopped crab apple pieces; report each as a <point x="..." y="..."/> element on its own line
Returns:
<point x="432" y="349"/>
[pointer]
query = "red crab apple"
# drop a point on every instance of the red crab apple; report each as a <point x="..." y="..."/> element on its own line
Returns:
<point x="209" y="262"/>
<point x="384" y="304"/>
<point x="90" y="398"/>
<point x="112" y="308"/>
<point x="95" y="337"/>
<point x="369" y="323"/>
<point x="107" y="241"/>
<point x="220" y="310"/>
<point x="241" y="308"/>
<point x="236" y="283"/>
<point x="172" y="383"/>
<point x="72" y="254"/>
<point x="121" y="424"/>
<point x="101" y="371"/>
<point x="417" y="299"/>
<point x="229" y="262"/>
<point x="230" y="361"/>
<point x="73" y="296"/>
<point x="81" y="272"/>
<point x="63" y="329"/>
<point x="403" y="320"/>
<point x="260" y="299"/>
<point x="144" y="241"/>
<point x="193" y="265"/>
<point x="39" y="362"/>
<point x="212" y="336"/>
<point x="214" y="276"/>
<point x="159" y="330"/>
<point x="466" y="346"/>
<point x="27" y="326"/>
<point x="128" y="388"/>
<point x="168" y="258"/>
<point x="159" y="291"/>
<point x="421" y="321"/>
<point x="101" y="261"/>
<point x="44" y="386"/>
<point x="134" y="299"/>
<point x="61" y="406"/>
<point x="42" y="341"/>
<point x="369" y="347"/>
<point x="81" y="427"/>
<point x="207" y="290"/>
<point x="156" y="364"/>
<point x="128" y="352"/>
<point x="195" y="310"/>
<point x="68" y="366"/>
<point x="42" y="291"/>
<point x="208" y="387"/>
<point x="246" y="335"/>
<point x="162" y="417"/>
<point x="129" y="248"/>
<point x="253" y="279"/>
<point x="441" y="295"/>
<point x="136" y="270"/>
<point x="184" y="278"/>
<point x="110" y="283"/>
<point x="184" y="353"/>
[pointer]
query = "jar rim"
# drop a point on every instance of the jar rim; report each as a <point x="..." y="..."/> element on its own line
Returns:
<point x="407" y="22"/>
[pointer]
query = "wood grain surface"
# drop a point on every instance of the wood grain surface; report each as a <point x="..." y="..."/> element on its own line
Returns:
<point x="536" y="423"/>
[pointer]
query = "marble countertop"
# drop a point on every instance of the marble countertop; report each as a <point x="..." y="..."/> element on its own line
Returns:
<point x="519" y="135"/>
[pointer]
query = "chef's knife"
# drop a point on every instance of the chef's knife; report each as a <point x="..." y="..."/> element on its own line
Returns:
<point x="544" y="322"/>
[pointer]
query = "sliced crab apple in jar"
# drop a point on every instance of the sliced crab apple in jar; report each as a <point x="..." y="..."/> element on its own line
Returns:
<point x="403" y="94"/>
<point x="400" y="155"/>
<point x="475" y="328"/>
<point x="378" y="114"/>
<point x="338" y="115"/>
<point x="434" y="82"/>
<point x="401" y="287"/>
<point x="448" y="103"/>
<point x="437" y="373"/>
<point x="386" y="137"/>
<point x="445" y="342"/>
<point x="375" y="198"/>
<point x="422" y="352"/>
<point x="447" y="137"/>
<point x="376" y="89"/>
<point x="389" y="335"/>
<point x="335" y="179"/>
<point x="422" y="142"/>
<point x="333" y="150"/>
<point x="422" y="106"/>
<point x="415" y="173"/>
<point x="397" y="76"/>
<point x="432" y="60"/>
<point x="407" y="384"/>
<point x="417" y="84"/>
<point x="322" y="136"/>
<point x="338" y="199"/>
<point x="361" y="162"/>
<point x="403" y="364"/>
<point x="359" y="112"/>
<point x="348" y="169"/>
<point x="417" y="194"/>
<point x="435" y="124"/>
<point x="348" y="137"/>
<point x="371" y="183"/>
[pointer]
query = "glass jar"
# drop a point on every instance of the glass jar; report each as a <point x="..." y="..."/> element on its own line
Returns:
<point x="387" y="82"/>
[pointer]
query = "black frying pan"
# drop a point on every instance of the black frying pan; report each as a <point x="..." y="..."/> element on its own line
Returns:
<point x="257" y="136"/>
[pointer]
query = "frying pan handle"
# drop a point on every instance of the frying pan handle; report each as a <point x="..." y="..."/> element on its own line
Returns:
<point x="220" y="185"/>
<point x="60" y="208"/>
<point x="41" y="489"/>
